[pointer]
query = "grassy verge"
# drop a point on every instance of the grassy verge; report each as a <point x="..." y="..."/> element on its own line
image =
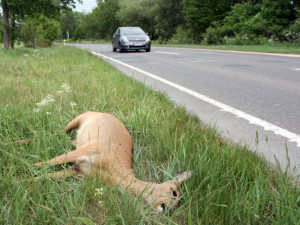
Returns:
<point x="229" y="185"/>
<point x="281" y="48"/>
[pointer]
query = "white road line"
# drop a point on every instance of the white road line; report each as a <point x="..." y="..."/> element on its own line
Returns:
<point x="170" y="53"/>
<point x="223" y="107"/>
<point x="242" y="52"/>
<point x="297" y="69"/>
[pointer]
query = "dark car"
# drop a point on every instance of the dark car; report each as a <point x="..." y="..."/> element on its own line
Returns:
<point x="131" y="38"/>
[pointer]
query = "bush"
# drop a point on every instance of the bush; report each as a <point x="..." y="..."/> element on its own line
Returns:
<point x="40" y="32"/>
<point x="182" y="36"/>
<point x="252" y="24"/>
<point x="277" y="16"/>
<point x="292" y="34"/>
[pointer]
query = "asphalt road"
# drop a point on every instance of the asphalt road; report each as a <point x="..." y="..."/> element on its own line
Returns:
<point x="252" y="99"/>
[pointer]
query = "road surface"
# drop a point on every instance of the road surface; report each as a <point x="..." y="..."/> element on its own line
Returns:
<point x="252" y="99"/>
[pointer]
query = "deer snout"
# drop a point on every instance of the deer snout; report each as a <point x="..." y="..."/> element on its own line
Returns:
<point x="166" y="200"/>
<point x="161" y="208"/>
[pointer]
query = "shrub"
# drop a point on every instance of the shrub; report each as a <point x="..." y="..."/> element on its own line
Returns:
<point x="182" y="36"/>
<point x="292" y="33"/>
<point x="40" y="32"/>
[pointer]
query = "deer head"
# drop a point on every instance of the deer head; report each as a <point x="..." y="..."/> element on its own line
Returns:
<point x="167" y="195"/>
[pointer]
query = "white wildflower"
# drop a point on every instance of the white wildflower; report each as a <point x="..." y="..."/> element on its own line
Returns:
<point x="49" y="98"/>
<point x="25" y="55"/>
<point x="98" y="192"/>
<point x="66" y="88"/>
<point x="59" y="92"/>
<point x="48" y="113"/>
<point x="73" y="104"/>
<point x="36" y="110"/>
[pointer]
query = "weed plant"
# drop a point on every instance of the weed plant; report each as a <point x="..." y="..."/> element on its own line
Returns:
<point x="42" y="90"/>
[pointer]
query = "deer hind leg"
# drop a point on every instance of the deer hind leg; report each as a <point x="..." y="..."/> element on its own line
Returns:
<point x="74" y="124"/>
<point x="77" y="121"/>
<point x="70" y="157"/>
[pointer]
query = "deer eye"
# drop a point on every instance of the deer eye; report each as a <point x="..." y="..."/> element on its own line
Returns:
<point x="174" y="194"/>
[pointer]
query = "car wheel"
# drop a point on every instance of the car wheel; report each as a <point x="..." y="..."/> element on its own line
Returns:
<point x="148" y="49"/>
<point x="114" y="49"/>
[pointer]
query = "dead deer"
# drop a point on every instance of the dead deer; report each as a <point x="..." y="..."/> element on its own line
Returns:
<point x="104" y="149"/>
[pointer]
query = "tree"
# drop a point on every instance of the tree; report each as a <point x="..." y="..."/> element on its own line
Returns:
<point x="19" y="9"/>
<point x="69" y="22"/>
<point x="168" y="16"/>
<point x="101" y="23"/>
<point x="138" y="13"/>
<point x="199" y="14"/>
<point x="4" y="6"/>
<point x="277" y="15"/>
<point x="106" y="16"/>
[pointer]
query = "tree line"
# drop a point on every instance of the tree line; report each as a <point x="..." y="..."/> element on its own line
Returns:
<point x="178" y="21"/>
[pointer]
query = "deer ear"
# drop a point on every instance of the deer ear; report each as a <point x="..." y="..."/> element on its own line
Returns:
<point x="181" y="177"/>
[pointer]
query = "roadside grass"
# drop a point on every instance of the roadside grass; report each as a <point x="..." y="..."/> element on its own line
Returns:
<point x="280" y="48"/>
<point x="230" y="185"/>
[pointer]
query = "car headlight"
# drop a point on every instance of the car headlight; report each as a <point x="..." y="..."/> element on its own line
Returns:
<point x="147" y="39"/>
<point x="124" y="39"/>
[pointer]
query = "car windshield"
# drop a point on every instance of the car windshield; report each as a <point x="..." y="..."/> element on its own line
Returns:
<point x="132" y="31"/>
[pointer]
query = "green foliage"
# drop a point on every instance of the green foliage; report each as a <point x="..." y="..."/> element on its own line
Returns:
<point x="40" y="31"/>
<point x="20" y="11"/>
<point x="240" y="22"/>
<point x="138" y="13"/>
<point x="168" y="17"/>
<point x="69" y="21"/>
<point x="249" y="23"/>
<point x="292" y="33"/>
<point x="101" y="23"/>
<point x="277" y="16"/>
<point x="199" y="14"/>
<point x="182" y="36"/>
<point x="242" y="25"/>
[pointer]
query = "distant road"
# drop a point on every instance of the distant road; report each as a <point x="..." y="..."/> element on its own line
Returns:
<point x="248" y="96"/>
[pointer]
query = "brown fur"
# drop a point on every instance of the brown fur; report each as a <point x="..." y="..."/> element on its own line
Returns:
<point x="104" y="148"/>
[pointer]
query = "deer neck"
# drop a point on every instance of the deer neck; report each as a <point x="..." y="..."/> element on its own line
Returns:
<point x="125" y="177"/>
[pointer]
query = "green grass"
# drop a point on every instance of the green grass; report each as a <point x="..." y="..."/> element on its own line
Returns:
<point x="230" y="185"/>
<point x="281" y="48"/>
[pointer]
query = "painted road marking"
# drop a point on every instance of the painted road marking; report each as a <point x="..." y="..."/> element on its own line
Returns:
<point x="223" y="107"/>
<point x="297" y="69"/>
<point x="170" y="53"/>
<point x="242" y="52"/>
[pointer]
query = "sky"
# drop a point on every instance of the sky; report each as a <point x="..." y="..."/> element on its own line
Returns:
<point x="87" y="6"/>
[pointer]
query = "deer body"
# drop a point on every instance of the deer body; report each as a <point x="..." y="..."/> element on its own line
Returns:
<point x="104" y="148"/>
